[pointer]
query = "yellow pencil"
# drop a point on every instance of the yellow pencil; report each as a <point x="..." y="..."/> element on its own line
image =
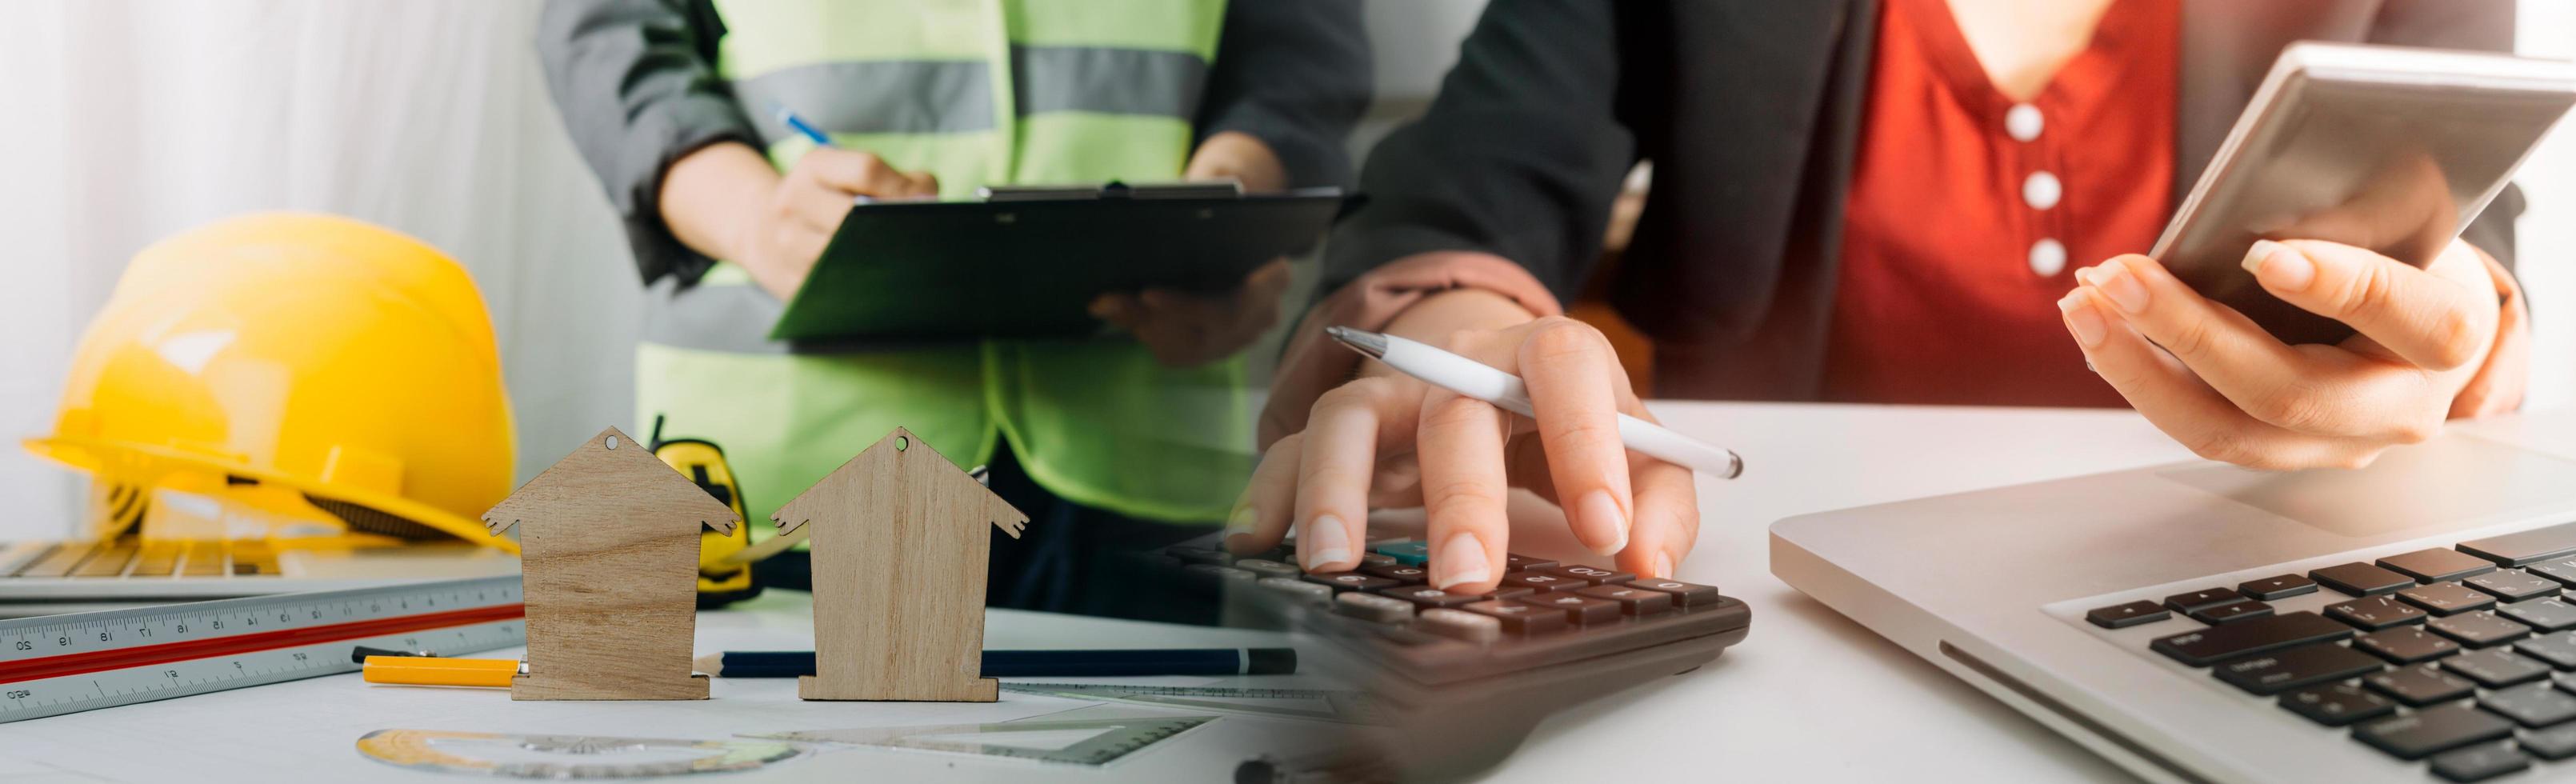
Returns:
<point x="427" y="671"/>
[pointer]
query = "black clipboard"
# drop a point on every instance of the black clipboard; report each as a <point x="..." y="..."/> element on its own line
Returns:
<point x="1027" y="262"/>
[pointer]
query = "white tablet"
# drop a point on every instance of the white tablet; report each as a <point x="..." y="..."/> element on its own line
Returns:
<point x="2388" y="148"/>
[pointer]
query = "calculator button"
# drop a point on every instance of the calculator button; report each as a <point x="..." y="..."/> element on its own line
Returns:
<point x="1199" y="555"/>
<point x="1632" y="601"/>
<point x="2119" y="616"/>
<point x="2360" y="579"/>
<point x="2337" y="704"/>
<point x="2210" y="597"/>
<point x="2547" y="615"/>
<point x="2527" y="547"/>
<point x="2406" y="645"/>
<point x="2513" y="585"/>
<point x="1685" y="595"/>
<point x="1428" y="596"/>
<point x="2282" y="587"/>
<point x="2375" y="612"/>
<point x="2496" y="668"/>
<point x="1349" y="581"/>
<point x="1523" y="563"/>
<point x="1506" y="592"/>
<point x="1223" y="572"/>
<point x="1519" y="618"/>
<point x="1460" y="624"/>
<point x="1590" y="574"/>
<point x="1578" y="609"/>
<point x="2555" y="743"/>
<point x="1369" y="606"/>
<point x="2274" y="673"/>
<point x="1267" y="568"/>
<point x="2420" y="685"/>
<point x="2535" y="705"/>
<point x="2269" y="633"/>
<point x="1374" y="559"/>
<point x="2446" y="598"/>
<point x="1318" y="594"/>
<point x="2558" y="649"/>
<point x="1408" y="575"/>
<point x="1409" y="552"/>
<point x="1542" y="582"/>
<point x="2478" y="629"/>
<point x="2437" y="564"/>
<point x="2479" y="763"/>
<point x="2238" y="610"/>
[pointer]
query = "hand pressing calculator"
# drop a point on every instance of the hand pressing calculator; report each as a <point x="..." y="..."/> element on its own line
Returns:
<point x="1480" y="668"/>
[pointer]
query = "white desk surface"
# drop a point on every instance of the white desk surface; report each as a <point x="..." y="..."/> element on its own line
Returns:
<point x="1808" y="696"/>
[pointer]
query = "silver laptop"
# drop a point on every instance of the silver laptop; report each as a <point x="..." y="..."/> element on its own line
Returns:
<point x="2201" y="622"/>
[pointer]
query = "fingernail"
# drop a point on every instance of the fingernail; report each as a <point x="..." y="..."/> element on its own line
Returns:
<point x="2122" y="286"/>
<point x="1598" y="511"/>
<point x="1663" y="568"/>
<point x="1461" y="561"/>
<point x="2080" y="319"/>
<point x="1324" y="543"/>
<point x="2280" y="266"/>
<point x="1239" y="525"/>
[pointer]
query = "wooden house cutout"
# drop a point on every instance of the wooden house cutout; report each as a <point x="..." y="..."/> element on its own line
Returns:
<point x="899" y="559"/>
<point x="608" y="540"/>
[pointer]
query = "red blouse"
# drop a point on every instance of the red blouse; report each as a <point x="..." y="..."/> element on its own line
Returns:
<point x="1969" y="213"/>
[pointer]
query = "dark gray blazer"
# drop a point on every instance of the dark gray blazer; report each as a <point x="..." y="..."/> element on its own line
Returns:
<point x="1750" y="111"/>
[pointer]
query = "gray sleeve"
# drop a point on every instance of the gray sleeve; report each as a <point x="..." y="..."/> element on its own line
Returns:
<point x="636" y="85"/>
<point x="1296" y="75"/>
<point x="2485" y="25"/>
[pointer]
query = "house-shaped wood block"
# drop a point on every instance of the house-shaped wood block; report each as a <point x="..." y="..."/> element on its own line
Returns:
<point x="608" y="540"/>
<point x="899" y="551"/>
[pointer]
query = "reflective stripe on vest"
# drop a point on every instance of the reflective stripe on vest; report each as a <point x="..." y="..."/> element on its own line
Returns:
<point x="1095" y="91"/>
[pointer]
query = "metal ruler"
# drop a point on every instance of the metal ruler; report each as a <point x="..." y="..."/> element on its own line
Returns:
<point x="57" y="664"/>
<point x="1098" y="741"/>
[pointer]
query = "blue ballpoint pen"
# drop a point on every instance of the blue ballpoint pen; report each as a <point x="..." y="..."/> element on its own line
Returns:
<point x="798" y="124"/>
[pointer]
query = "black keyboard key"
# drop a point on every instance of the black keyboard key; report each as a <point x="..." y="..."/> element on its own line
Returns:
<point x="1427" y="596"/>
<point x="1579" y="610"/>
<point x="2561" y="569"/>
<point x="2360" y="579"/>
<point x="2554" y="743"/>
<point x="2425" y="733"/>
<point x="2337" y="704"/>
<point x="2518" y="549"/>
<point x="2375" y="612"/>
<point x="2496" y="668"/>
<point x="1685" y="595"/>
<point x="1590" y="574"/>
<point x="2478" y="629"/>
<point x="1400" y="573"/>
<point x="2513" y="585"/>
<point x="2121" y="616"/>
<point x="2547" y="615"/>
<point x="2187" y="602"/>
<point x="1523" y="563"/>
<point x="2535" y="705"/>
<point x="2435" y="564"/>
<point x="1519" y="618"/>
<point x="1542" y="582"/>
<point x="2446" y="598"/>
<point x="1632" y="601"/>
<point x="2238" y="610"/>
<point x="2479" y="763"/>
<point x="2273" y="673"/>
<point x="2406" y="645"/>
<point x="2261" y="635"/>
<point x="2282" y="587"/>
<point x="2558" y="649"/>
<point x="1348" y="581"/>
<point x="2420" y="685"/>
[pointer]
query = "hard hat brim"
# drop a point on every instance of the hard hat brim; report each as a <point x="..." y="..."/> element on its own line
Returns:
<point x="91" y="454"/>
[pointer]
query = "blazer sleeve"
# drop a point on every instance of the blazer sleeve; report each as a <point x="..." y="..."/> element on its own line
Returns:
<point x="1519" y="156"/>
<point x="635" y="83"/>
<point x="2485" y="25"/>
<point x="1296" y="75"/>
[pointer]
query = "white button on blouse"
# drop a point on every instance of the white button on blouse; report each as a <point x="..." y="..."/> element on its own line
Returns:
<point x="2024" y="122"/>
<point x="2047" y="257"/>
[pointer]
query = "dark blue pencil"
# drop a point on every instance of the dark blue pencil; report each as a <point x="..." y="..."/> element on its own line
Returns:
<point x="1031" y="664"/>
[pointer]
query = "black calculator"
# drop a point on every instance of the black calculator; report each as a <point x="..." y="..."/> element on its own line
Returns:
<point x="1479" y="669"/>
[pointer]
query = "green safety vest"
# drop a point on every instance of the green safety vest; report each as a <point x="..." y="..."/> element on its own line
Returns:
<point x="978" y="92"/>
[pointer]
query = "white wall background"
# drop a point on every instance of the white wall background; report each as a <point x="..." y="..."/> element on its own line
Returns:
<point x="130" y="120"/>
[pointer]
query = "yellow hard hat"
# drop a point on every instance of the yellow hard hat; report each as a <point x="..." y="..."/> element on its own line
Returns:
<point x="341" y="360"/>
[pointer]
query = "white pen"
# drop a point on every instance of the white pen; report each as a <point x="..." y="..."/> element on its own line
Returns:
<point x="1506" y="391"/>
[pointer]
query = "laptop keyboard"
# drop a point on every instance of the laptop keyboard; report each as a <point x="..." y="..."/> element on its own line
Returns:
<point x="2463" y="658"/>
<point x="132" y="558"/>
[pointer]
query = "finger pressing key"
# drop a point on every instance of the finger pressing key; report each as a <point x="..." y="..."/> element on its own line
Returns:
<point x="1460" y="449"/>
<point x="1569" y="369"/>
